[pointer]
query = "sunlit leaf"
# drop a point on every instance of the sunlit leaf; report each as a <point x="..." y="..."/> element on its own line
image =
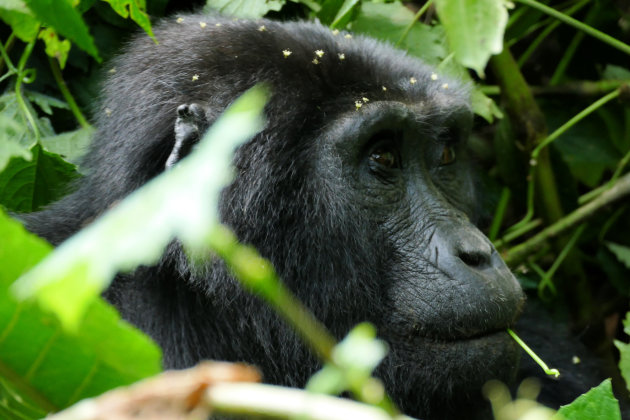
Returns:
<point x="26" y="185"/>
<point x="66" y="20"/>
<point x="138" y="229"/>
<point x="598" y="403"/>
<point x="243" y="8"/>
<point x="474" y="29"/>
<point x="41" y="367"/>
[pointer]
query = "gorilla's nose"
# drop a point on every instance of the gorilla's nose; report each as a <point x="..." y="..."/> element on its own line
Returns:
<point x="472" y="247"/>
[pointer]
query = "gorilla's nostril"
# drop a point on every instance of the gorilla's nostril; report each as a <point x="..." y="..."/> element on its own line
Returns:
<point x="474" y="259"/>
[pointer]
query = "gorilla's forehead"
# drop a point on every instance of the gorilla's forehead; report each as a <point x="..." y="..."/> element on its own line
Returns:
<point x="305" y="62"/>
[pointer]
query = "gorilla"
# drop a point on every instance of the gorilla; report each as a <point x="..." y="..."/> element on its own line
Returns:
<point x="358" y="190"/>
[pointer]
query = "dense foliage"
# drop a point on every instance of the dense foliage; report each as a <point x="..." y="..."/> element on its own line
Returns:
<point x="551" y="89"/>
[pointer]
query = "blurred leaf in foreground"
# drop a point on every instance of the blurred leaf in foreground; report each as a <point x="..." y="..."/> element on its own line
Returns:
<point x="138" y="229"/>
<point x="42" y="368"/>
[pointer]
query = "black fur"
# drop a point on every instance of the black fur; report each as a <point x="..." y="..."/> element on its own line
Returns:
<point x="355" y="237"/>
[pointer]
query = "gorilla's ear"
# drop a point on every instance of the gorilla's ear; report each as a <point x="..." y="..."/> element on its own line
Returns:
<point x="190" y="125"/>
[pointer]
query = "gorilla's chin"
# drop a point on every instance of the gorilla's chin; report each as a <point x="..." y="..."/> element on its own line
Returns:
<point x="443" y="379"/>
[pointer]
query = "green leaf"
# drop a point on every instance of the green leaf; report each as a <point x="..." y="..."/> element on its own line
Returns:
<point x="10" y="146"/>
<point x="55" y="48"/>
<point x="66" y="20"/>
<point x="46" y="369"/>
<point x="243" y="8"/>
<point x="598" y="403"/>
<point x="136" y="9"/>
<point x="19" y="17"/>
<point x="21" y="132"/>
<point x="70" y="145"/>
<point x="28" y="185"/>
<point x="484" y="106"/>
<point x="624" y="353"/>
<point x="621" y="252"/>
<point x="45" y="102"/>
<point x="474" y="29"/>
<point x="337" y="13"/>
<point x="137" y="230"/>
<point x="388" y="21"/>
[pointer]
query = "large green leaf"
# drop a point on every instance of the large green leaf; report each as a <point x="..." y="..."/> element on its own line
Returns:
<point x="16" y="14"/>
<point x="66" y="20"/>
<point x="388" y="21"/>
<point x="137" y="230"/>
<point x="243" y="8"/>
<point x="70" y="145"/>
<point x="42" y="368"/>
<point x="598" y="403"/>
<point x="474" y="29"/>
<point x="28" y="185"/>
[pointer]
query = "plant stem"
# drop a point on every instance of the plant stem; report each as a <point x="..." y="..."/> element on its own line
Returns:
<point x="549" y="29"/>
<point x="578" y="25"/>
<point x="515" y="233"/>
<point x="577" y="118"/>
<point x="518" y="253"/>
<point x="270" y="401"/>
<point x="582" y="88"/>
<point x="417" y="16"/>
<point x="18" y="88"/>
<point x="56" y="71"/>
<point x="499" y="214"/>
<point x="551" y="372"/>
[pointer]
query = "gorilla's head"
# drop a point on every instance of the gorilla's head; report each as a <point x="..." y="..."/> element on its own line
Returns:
<point x="358" y="190"/>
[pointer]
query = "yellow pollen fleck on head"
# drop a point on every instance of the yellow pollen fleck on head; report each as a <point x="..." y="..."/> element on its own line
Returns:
<point x="218" y="24"/>
<point x="195" y="77"/>
<point x="413" y="80"/>
<point x="319" y="53"/>
<point x="347" y="36"/>
<point x="179" y="20"/>
<point x="112" y="70"/>
<point x="202" y="24"/>
<point x="365" y="100"/>
<point x="108" y="112"/>
<point x="445" y="86"/>
<point x="315" y="61"/>
<point x="434" y="76"/>
<point x="335" y="32"/>
<point x="358" y="104"/>
<point x="341" y="56"/>
<point x="262" y="28"/>
<point x="286" y="53"/>
<point x="384" y="89"/>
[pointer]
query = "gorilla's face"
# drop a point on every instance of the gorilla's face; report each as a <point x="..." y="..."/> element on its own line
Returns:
<point x="445" y="296"/>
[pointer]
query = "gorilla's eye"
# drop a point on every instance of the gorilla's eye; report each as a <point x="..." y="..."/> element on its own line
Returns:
<point x="448" y="155"/>
<point x="384" y="157"/>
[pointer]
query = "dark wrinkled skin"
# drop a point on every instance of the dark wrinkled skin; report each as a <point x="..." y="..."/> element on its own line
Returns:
<point x="353" y="238"/>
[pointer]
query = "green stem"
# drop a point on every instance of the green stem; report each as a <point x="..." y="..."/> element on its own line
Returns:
<point x="541" y="37"/>
<point x="258" y="275"/>
<point x="551" y="372"/>
<point x="18" y="88"/>
<point x="572" y="48"/>
<point x="56" y="71"/>
<point x="578" y="25"/>
<point x="581" y="88"/>
<point x="597" y="191"/>
<point x="581" y="115"/>
<point x="420" y="12"/>
<point x="515" y="233"/>
<point x="4" y="59"/>
<point x="499" y="213"/>
<point x="518" y="253"/>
